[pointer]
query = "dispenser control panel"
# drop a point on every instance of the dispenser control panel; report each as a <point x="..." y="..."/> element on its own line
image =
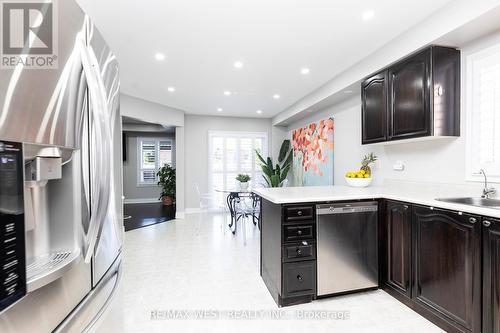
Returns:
<point x="12" y="242"/>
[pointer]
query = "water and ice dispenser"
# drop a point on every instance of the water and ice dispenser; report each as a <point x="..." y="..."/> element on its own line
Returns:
<point x="51" y="212"/>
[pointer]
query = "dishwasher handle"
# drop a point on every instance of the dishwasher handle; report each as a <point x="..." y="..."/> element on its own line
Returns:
<point x="347" y="208"/>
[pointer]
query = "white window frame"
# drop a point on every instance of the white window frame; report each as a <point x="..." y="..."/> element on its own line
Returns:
<point x="157" y="160"/>
<point x="471" y="167"/>
<point x="244" y="134"/>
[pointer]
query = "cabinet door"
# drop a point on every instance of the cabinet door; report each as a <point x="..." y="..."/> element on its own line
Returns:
<point x="491" y="276"/>
<point x="398" y="247"/>
<point x="409" y="86"/>
<point x="374" y="108"/>
<point x="447" y="265"/>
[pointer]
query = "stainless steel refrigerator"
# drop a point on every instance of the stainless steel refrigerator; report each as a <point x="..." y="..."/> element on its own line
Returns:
<point x="61" y="188"/>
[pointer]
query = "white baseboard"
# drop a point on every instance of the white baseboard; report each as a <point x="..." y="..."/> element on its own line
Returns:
<point x="180" y="215"/>
<point x="193" y="210"/>
<point x="139" y="201"/>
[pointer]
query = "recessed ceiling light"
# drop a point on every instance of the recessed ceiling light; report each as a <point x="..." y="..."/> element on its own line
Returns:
<point x="219" y="110"/>
<point x="238" y="64"/>
<point x="276" y="96"/>
<point x="368" y="15"/>
<point x="171" y="89"/>
<point x="305" y="71"/>
<point x="159" y="56"/>
<point x="259" y="111"/>
<point x="227" y="93"/>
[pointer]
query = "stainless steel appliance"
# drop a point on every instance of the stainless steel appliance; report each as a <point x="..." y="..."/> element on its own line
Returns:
<point x="12" y="251"/>
<point x="67" y="121"/>
<point x="347" y="247"/>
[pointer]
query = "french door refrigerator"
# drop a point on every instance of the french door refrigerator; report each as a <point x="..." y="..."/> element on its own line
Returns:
<point x="64" y="126"/>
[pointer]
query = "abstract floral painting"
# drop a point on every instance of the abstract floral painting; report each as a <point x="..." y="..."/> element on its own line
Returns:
<point x="313" y="154"/>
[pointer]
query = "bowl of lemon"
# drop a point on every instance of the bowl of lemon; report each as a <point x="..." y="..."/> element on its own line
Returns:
<point x="363" y="176"/>
<point x="359" y="178"/>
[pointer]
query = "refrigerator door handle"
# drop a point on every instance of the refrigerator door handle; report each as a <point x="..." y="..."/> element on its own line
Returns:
<point x="98" y="106"/>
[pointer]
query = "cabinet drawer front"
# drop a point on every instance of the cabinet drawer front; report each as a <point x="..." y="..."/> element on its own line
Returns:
<point x="299" y="213"/>
<point x="298" y="232"/>
<point x="299" y="279"/>
<point x="300" y="251"/>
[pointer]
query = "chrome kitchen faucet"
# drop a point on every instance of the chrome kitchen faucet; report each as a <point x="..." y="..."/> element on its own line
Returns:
<point x="487" y="191"/>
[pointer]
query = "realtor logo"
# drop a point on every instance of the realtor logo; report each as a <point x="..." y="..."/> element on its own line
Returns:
<point x="28" y="34"/>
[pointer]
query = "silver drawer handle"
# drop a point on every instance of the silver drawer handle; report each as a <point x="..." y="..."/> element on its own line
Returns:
<point x="486" y="223"/>
<point x="299" y="213"/>
<point x="472" y="220"/>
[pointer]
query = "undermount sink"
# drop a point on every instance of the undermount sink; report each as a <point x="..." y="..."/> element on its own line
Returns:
<point x="480" y="202"/>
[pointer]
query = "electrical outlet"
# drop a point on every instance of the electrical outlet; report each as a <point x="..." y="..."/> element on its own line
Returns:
<point x="398" y="166"/>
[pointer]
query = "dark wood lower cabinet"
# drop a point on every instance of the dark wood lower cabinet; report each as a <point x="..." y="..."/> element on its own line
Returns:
<point x="447" y="266"/>
<point x="491" y="276"/>
<point x="443" y="264"/>
<point x="288" y="252"/>
<point x="397" y="270"/>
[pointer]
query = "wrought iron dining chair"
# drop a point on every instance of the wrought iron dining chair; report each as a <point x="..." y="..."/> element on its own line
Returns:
<point x="246" y="207"/>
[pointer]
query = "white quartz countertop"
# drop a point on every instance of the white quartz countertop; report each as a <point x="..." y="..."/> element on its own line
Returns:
<point x="426" y="197"/>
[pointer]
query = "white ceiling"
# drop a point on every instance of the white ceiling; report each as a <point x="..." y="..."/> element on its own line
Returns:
<point x="273" y="38"/>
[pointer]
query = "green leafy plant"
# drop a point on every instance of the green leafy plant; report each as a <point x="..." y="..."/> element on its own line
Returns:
<point x="276" y="175"/>
<point x="243" y="178"/>
<point x="166" y="176"/>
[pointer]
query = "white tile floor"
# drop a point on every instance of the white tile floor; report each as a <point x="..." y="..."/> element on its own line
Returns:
<point x="192" y="264"/>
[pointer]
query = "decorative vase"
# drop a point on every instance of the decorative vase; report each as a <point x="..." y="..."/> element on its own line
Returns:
<point x="167" y="201"/>
<point x="244" y="186"/>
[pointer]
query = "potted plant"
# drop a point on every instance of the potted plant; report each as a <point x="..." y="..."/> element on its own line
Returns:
<point x="243" y="179"/>
<point x="276" y="175"/>
<point x="166" y="176"/>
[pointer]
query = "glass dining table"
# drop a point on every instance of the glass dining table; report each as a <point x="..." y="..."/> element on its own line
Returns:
<point x="234" y="196"/>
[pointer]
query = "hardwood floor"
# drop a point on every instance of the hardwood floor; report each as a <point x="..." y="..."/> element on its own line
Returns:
<point x="143" y="215"/>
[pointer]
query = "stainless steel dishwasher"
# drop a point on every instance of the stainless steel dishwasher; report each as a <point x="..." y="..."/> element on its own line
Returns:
<point x="347" y="247"/>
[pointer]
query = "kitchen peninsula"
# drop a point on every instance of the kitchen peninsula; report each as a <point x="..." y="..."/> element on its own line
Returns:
<point x="439" y="258"/>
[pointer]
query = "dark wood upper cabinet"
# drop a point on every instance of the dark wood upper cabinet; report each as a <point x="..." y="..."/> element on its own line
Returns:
<point x="447" y="266"/>
<point x="409" y="110"/>
<point x="491" y="276"/>
<point x="374" y="108"/>
<point x="397" y="257"/>
<point x="418" y="96"/>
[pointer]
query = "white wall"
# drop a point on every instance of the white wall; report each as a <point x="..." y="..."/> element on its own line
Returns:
<point x="196" y="147"/>
<point x="180" y="172"/>
<point x="437" y="161"/>
<point x="150" y="112"/>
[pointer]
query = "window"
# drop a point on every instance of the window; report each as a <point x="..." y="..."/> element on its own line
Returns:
<point x="483" y="114"/>
<point x="232" y="153"/>
<point x="152" y="154"/>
